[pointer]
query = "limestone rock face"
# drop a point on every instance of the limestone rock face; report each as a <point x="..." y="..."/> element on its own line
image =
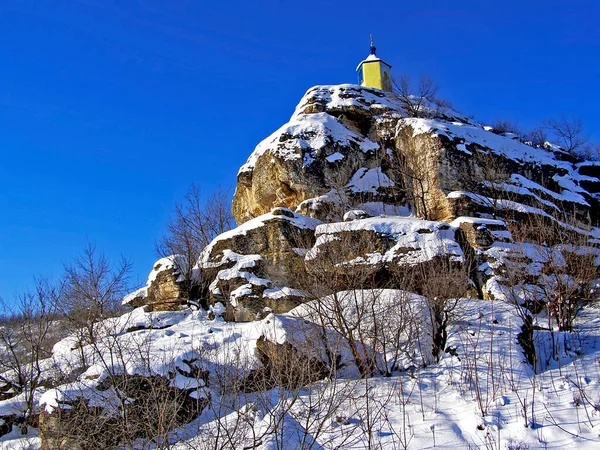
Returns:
<point x="257" y="265"/>
<point x="347" y="147"/>
<point x="164" y="291"/>
<point x="486" y="243"/>
<point x="451" y="169"/>
<point x="336" y="135"/>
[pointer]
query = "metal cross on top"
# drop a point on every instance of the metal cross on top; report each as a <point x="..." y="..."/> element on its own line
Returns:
<point x="372" y="44"/>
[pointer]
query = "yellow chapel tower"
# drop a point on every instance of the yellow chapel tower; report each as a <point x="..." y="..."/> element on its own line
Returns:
<point x="374" y="71"/>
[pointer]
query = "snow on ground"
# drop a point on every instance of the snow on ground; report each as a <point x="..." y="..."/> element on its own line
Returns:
<point x="17" y="405"/>
<point x="17" y="441"/>
<point x="481" y="394"/>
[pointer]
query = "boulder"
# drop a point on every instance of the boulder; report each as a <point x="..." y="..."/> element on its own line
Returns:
<point x="482" y="233"/>
<point x="165" y="289"/>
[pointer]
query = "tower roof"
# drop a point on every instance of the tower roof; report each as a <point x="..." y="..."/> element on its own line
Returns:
<point x="372" y="58"/>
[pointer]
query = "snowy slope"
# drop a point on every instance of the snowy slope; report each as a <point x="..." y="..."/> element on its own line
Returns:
<point x="480" y="395"/>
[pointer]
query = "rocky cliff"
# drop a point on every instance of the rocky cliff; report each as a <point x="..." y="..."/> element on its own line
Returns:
<point x="352" y="182"/>
<point x="345" y="146"/>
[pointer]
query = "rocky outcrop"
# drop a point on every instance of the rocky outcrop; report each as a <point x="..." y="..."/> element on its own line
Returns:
<point x="486" y="243"/>
<point x="337" y="133"/>
<point x="351" y="153"/>
<point x="284" y="364"/>
<point x="468" y="170"/>
<point x="348" y="147"/>
<point x="279" y="260"/>
<point x="256" y="267"/>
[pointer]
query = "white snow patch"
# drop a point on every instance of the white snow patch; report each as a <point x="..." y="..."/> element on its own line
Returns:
<point x="369" y="180"/>
<point x="337" y="156"/>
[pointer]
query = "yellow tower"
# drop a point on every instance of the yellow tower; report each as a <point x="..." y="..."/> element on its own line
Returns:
<point x="374" y="72"/>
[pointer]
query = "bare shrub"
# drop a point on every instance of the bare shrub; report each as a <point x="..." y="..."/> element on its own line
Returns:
<point x="537" y="137"/>
<point x="416" y="99"/>
<point x="443" y="283"/>
<point x="564" y="281"/>
<point x="506" y="126"/>
<point x="92" y="290"/>
<point x="301" y="413"/>
<point x="24" y="338"/>
<point x="278" y="404"/>
<point x="590" y="152"/>
<point x="132" y="404"/>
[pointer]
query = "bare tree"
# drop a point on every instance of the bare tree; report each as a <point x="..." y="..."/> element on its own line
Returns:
<point x="92" y="290"/>
<point x="195" y="223"/>
<point x="570" y="133"/>
<point x="415" y="100"/>
<point x="446" y="283"/>
<point x="590" y="152"/>
<point x="417" y="166"/>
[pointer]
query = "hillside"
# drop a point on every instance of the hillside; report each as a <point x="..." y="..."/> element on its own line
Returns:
<point x="393" y="282"/>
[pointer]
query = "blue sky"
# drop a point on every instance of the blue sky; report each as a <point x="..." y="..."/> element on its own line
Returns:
<point x="109" y="109"/>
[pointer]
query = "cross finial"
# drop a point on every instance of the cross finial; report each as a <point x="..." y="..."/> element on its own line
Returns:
<point x="373" y="49"/>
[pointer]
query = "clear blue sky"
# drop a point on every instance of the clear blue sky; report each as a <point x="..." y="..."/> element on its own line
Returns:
<point x="109" y="109"/>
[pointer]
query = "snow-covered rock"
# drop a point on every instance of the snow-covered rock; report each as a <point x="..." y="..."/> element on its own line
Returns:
<point x="345" y="145"/>
<point x="378" y="246"/>
<point x="165" y="289"/>
<point x="332" y="141"/>
<point x="257" y="265"/>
